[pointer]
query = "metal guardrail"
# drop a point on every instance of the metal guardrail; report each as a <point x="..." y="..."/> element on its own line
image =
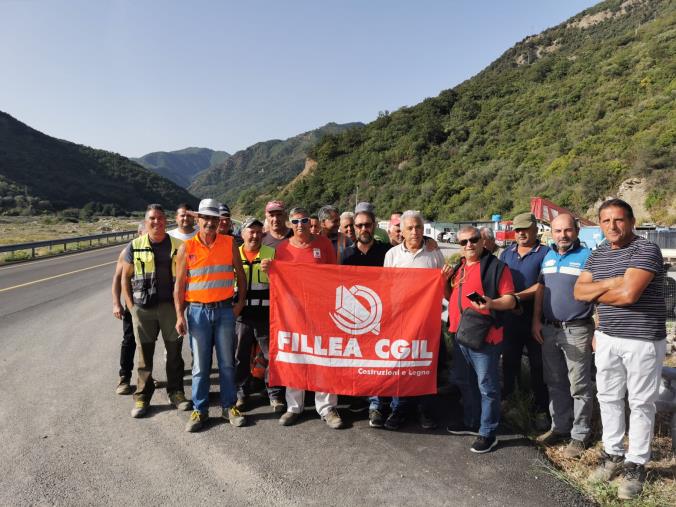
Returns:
<point x="663" y="238"/>
<point x="107" y="236"/>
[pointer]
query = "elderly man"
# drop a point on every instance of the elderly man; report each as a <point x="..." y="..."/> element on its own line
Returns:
<point x="625" y="277"/>
<point x="394" y="229"/>
<point x="330" y="222"/>
<point x="524" y="260"/>
<point x="147" y="285"/>
<point x="275" y="215"/>
<point x="185" y="223"/>
<point x="566" y="338"/>
<point x="411" y="253"/>
<point x="347" y="225"/>
<point x="207" y="266"/>
<point x="489" y="239"/>
<point x="477" y="371"/>
<point x="304" y="247"/>
<point x="128" y="346"/>
<point x="253" y="324"/>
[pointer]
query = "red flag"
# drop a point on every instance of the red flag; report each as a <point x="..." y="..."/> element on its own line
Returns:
<point x="355" y="330"/>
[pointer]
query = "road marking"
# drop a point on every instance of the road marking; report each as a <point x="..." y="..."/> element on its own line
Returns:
<point x="57" y="276"/>
<point x="56" y="257"/>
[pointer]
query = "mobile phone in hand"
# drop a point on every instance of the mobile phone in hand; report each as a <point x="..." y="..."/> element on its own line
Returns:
<point x="476" y="298"/>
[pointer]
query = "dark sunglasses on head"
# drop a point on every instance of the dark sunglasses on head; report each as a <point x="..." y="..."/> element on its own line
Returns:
<point x="474" y="240"/>
<point x="361" y="226"/>
<point x="296" y="221"/>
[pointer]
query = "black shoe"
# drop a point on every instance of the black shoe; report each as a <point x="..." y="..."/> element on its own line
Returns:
<point x="376" y="419"/>
<point x="459" y="428"/>
<point x="426" y="422"/>
<point x="394" y="421"/>
<point x="483" y="444"/>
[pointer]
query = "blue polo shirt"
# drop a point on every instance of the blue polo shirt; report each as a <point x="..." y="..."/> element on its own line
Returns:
<point x="559" y="274"/>
<point x="525" y="272"/>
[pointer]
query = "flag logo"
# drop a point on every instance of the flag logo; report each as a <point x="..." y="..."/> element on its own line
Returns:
<point x="352" y="316"/>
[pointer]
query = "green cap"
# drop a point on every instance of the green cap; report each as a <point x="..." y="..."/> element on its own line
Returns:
<point x="523" y="221"/>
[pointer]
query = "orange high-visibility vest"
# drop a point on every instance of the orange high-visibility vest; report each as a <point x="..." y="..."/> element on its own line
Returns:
<point x="211" y="274"/>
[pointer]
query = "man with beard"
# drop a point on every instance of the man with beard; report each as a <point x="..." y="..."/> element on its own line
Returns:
<point x="185" y="223"/>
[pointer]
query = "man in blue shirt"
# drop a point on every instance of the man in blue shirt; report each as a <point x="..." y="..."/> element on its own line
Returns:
<point x="524" y="260"/>
<point x="566" y="339"/>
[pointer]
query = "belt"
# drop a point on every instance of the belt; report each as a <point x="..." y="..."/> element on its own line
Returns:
<point x="215" y="304"/>
<point x="568" y="323"/>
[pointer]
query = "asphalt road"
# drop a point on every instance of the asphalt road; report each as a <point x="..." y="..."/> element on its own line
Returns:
<point x="67" y="439"/>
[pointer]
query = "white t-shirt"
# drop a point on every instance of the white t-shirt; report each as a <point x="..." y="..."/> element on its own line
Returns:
<point x="175" y="233"/>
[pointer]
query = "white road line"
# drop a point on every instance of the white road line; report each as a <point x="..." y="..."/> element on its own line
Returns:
<point x="69" y="256"/>
<point x="57" y="276"/>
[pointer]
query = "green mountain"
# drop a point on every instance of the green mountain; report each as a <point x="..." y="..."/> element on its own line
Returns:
<point x="181" y="166"/>
<point x="567" y="114"/>
<point x="41" y="173"/>
<point x="249" y="177"/>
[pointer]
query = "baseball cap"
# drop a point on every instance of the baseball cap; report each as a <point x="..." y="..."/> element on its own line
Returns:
<point x="523" y="221"/>
<point x="275" y="206"/>
<point x="395" y="219"/>
<point x="365" y="207"/>
<point x="249" y="221"/>
<point x="224" y="210"/>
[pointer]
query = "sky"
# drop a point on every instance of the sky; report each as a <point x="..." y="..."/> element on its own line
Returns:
<point x="135" y="76"/>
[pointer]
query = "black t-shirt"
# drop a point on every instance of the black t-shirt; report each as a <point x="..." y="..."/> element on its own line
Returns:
<point x="374" y="257"/>
<point x="162" y="255"/>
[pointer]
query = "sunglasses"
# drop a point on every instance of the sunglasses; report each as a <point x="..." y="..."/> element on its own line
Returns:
<point x="296" y="221"/>
<point x="361" y="226"/>
<point x="474" y="240"/>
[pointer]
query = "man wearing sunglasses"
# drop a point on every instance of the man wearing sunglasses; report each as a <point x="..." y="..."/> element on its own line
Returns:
<point x="477" y="371"/>
<point x="305" y="247"/>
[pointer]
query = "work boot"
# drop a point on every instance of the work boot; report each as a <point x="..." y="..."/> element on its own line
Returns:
<point x="376" y="418"/>
<point x="196" y="421"/>
<point x="123" y="386"/>
<point x="288" y="418"/>
<point x="332" y="419"/>
<point x="140" y="409"/>
<point x="631" y="485"/>
<point x="179" y="401"/>
<point x="574" y="449"/>
<point x="610" y="466"/>
<point x="235" y="417"/>
<point x="552" y="438"/>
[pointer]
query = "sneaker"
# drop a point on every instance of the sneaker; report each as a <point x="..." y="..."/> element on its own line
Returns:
<point x="196" y="421"/>
<point x="552" y="438"/>
<point x="574" y="449"/>
<point x="179" y="401"/>
<point x="235" y="417"/>
<point x="542" y="421"/>
<point x="288" y="418"/>
<point x="123" y="386"/>
<point x="631" y="485"/>
<point x="240" y="403"/>
<point x="459" y="428"/>
<point x="426" y="422"/>
<point x="376" y="418"/>
<point x="277" y="406"/>
<point x="332" y="419"/>
<point x="394" y="421"/>
<point x="610" y="465"/>
<point x="483" y="444"/>
<point x="140" y="408"/>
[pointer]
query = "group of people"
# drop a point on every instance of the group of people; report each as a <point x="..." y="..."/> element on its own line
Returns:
<point x="205" y="282"/>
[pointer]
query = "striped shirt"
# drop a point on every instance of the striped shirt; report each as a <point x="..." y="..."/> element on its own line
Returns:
<point x="645" y="319"/>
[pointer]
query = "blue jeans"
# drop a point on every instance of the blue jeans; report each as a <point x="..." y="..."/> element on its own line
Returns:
<point x="212" y="328"/>
<point x="478" y="378"/>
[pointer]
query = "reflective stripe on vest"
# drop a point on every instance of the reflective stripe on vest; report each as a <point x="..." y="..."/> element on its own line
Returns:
<point x="258" y="283"/>
<point x="210" y="272"/>
<point x="144" y="267"/>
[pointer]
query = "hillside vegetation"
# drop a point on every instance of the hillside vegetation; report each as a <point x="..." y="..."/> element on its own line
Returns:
<point x="567" y="114"/>
<point x="244" y="179"/>
<point x="40" y="173"/>
<point x="181" y="166"/>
